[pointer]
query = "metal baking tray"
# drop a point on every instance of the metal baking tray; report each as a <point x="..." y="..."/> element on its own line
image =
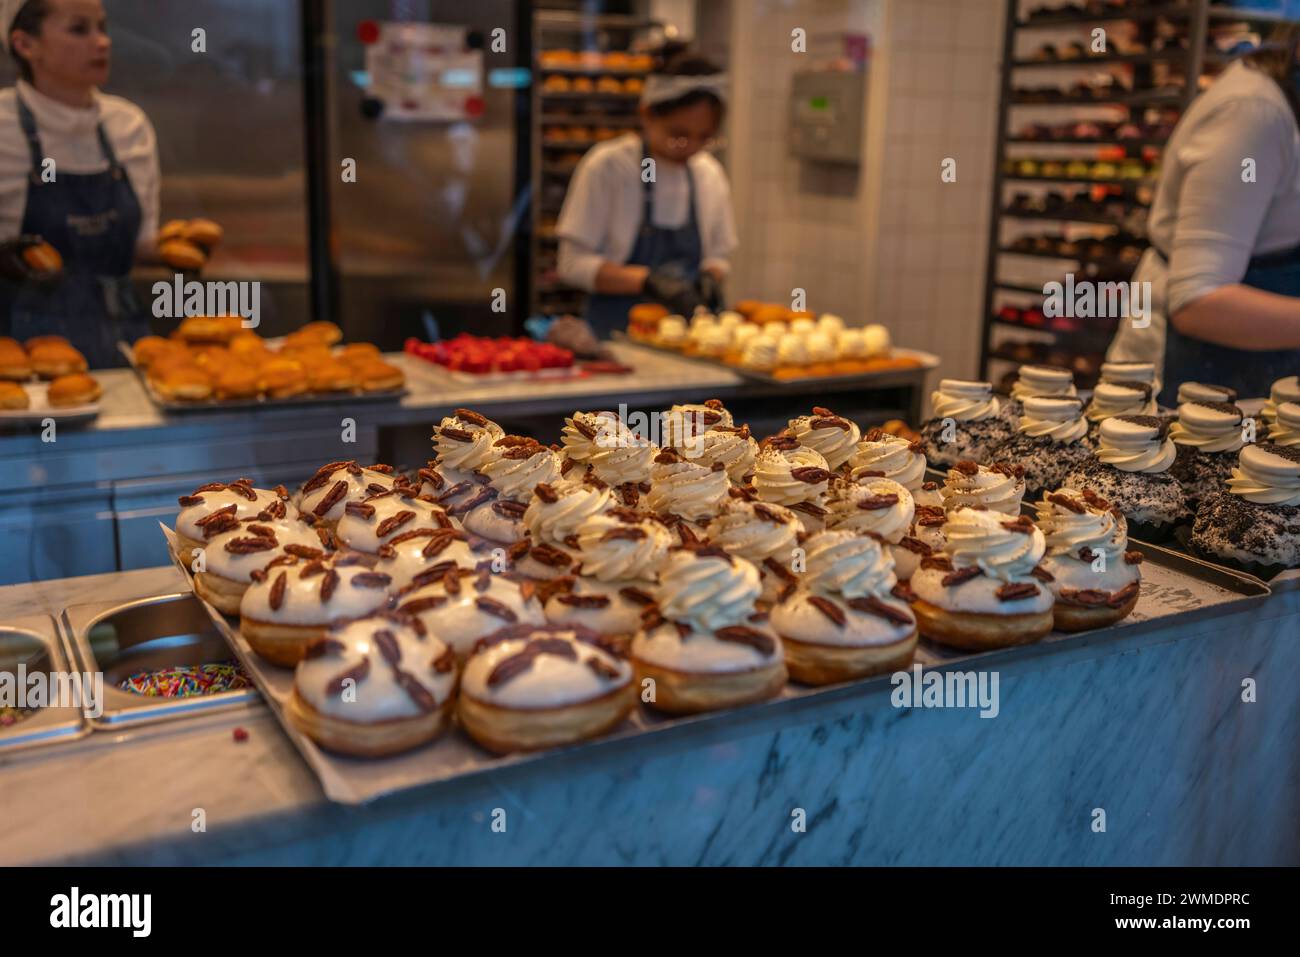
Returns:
<point x="33" y="642"/>
<point x="120" y="639"/>
<point x="263" y="402"/>
<point x="1173" y="586"/>
<point x="874" y="380"/>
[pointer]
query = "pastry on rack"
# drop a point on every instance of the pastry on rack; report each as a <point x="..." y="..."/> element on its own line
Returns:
<point x="233" y="556"/>
<point x="181" y="381"/>
<point x="832" y="436"/>
<point x="68" y="391"/>
<point x="282" y="377"/>
<point x="618" y="559"/>
<point x="703" y="645"/>
<point x="293" y="601"/>
<point x="1130" y="469"/>
<point x="1207" y="436"/>
<point x="369" y="523"/>
<point x="531" y="687"/>
<point x="374" y="687"/>
<point x="763" y="533"/>
<point x="786" y="473"/>
<point x="999" y="488"/>
<point x="689" y="494"/>
<point x="982" y="592"/>
<point x="1089" y="568"/>
<point x="553" y="518"/>
<point x="423" y="556"/>
<point x="325" y="496"/>
<point x="884" y="510"/>
<point x="1252" y="523"/>
<point x="881" y="455"/>
<point x="497" y="512"/>
<point x="967" y="423"/>
<point x="218" y="507"/>
<point x="466" y="604"/>
<point x="843" y="620"/>
<point x="1051" y="440"/>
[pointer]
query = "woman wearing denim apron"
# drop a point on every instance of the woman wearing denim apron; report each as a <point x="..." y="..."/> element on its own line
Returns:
<point x="648" y="216"/>
<point x="1224" y="266"/>
<point x="79" y="170"/>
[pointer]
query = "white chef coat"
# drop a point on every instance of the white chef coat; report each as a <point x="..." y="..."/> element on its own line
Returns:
<point x="603" y="208"/>
<point x="68" y="137"/>
<point x="1204" y="217"/>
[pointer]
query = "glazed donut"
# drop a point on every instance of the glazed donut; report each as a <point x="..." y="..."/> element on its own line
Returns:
<point x="368" y="524"/>
<point x="182" y="254"/>
<point x="376" y="376"/>
<point x="359" y="352"/>
<point x="236" y="382"/>
<point x="466" y="604"/>
<point x="73" y="390"/>
<point x="281" y="377"/>
<point x="534" y="687"/>
<point x="231" y="558"/>
<point x="147" y="349"/>
<point x="326" y="494"/>
<point x="218" y="507"/>
<point x="182" y="383"/>
<point x="843" y="622"/>
<point x="423" y="556"/>
<point x="374" y="687"/>
<point x="43" y="259"/>
<point x="322" y="331"/>
<point x="330" y="375"/>
<point x="13" y="396"/>
<point x="293" y="601"/>
<point x="49" y="340"/>
<point x="215" y="330"/>
<point x="53" y="359"/>
<point x="701" y="645"/>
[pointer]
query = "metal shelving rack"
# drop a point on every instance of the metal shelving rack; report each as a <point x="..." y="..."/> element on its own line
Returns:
<point x="558" y="29"/>
<point x="1192" y="18"/>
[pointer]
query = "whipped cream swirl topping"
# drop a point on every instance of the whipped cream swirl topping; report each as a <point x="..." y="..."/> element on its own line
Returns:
<point x="1000" y="488"/>
<point x="1042" y="380"/>
<point x="755" y="530"/>
<point x="1120" y="398"/>
<point x="881" y="455"/>
<point x="877" y="506"/>
<point x="1074" y="520"/>
<point x="734" y="448"/>
<point x="466" y="441"/>
<point x="827" y="433"/>
<point x="845" y="563"/>
<point x="522" y="465"/>
<point x="1268" y="474"/>
<point x="964" y="401"/>
<point x="708" y="589"/>
<point x="612" y="549"/>
<point x="604" y="443"/>
<point x="682" y="425"/>
<point x="791" y="476"/>
<point x="792" y="349"/>
<point x="999" y="547"/>
<point x="1208" y="426"/>
<point x="760" y="352"/>
<point x="1286" y="425"/>
<point x="1144" y="372"/>
<point x="1204" y="392"/>
<point x="1286" y="389"/>
<point x="1136" y="443"/>
<point x="1055" y="417"/>
<point x="556" y="511"/>
<point x="685" y="488"/>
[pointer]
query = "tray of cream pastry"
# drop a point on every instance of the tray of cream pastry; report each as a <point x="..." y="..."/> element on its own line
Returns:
<point x="1172" y="585"/>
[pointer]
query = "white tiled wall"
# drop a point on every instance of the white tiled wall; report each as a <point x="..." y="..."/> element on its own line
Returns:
<point x="887" y="242"/>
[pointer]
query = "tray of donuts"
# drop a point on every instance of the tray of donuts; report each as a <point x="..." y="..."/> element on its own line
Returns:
<point x="1215" y="477"/>
<point x="215" y="363"/>
<point x="45" y="377"/>
<point x="512" y="598"/>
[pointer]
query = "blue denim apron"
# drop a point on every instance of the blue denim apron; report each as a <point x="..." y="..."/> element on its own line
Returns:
<point x="1249" y="372"/>
<point x="680" y="249"/>
<point x="93" y="220"/>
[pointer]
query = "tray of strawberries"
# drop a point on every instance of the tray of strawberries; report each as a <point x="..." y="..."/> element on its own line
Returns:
<point x="480" y="358"/>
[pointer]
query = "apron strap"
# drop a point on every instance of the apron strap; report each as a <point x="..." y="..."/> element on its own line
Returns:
<point x="28" y="122"/>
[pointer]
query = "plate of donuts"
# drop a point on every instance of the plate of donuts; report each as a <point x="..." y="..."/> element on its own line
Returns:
<point x="45" y="378"/>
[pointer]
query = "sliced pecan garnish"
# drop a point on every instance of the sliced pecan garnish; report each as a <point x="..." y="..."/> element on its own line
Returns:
<point x="1070" y="504"/>
<point x="1133" y="557"/>
<point x="583" y="601"/>
<point x="328" y="583"/>
<point x="636" y="595"/>
<point x="455" y="434"/>
<point x="959" y="575"/>
<point x="744" y="635"/>
<point x="546" y="493"/>
<point x="356" y="673"/>
<point x="360" y="510"/>
<point x="602" y="668"/>
<point x="873" y="503"/>
<point x="1024" y="525"/>
<point x="874" y="606"/>
<point x="915" y="545"/>
<point x="903" y="591"/>
<point x="470" y="416"/>
<point x="828" y="608"/>
<point x="1042" y="574"/>
<point x="331" y="498"/>
<point x="1014" y="591"/>
<point x="324" y="646"/>
<point x="278" y="586"/>
<point x="967" y="467"/>
<point x="810" y="474"/>
<point x="372" y="580"/>
<point x="493" y="607"/>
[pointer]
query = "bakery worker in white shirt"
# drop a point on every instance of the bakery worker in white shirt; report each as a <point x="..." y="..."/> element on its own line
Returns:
<point x="1224" y="262"/>
<point x="628" y="238"/>
<point x="79" y="170"/>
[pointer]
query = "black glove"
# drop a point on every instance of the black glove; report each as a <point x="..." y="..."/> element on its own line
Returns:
<point x="668" y="285"/>
<point x="29" y="259"/>
<point x="710" y="289"/>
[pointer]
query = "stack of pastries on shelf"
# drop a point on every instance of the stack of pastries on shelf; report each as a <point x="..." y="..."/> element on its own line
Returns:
<point x="1224" y="483"/>
<point x="50" y="359"/>
<point x="537" y="594"/>
<point x="771" y="339"/>
<point x="217" y="358"/>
